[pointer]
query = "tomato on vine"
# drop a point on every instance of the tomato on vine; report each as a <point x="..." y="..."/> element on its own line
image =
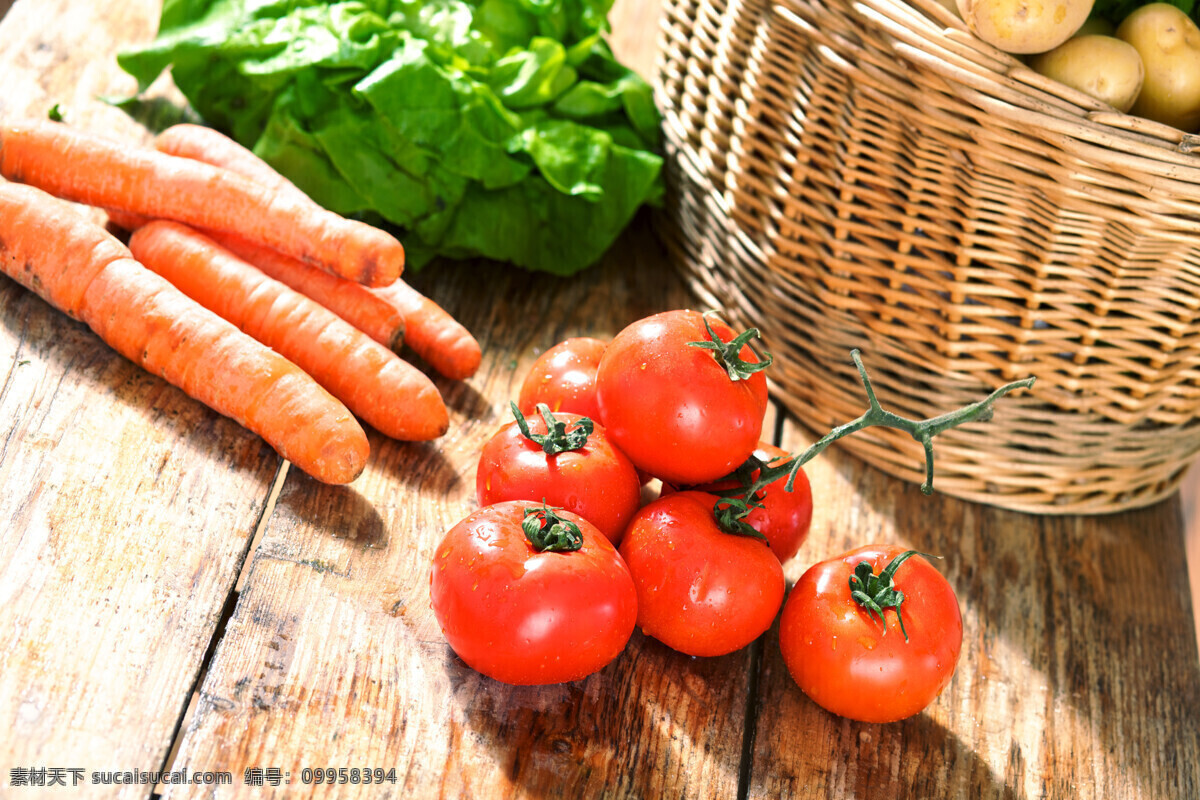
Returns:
<point x="758" y="479"/>
<point x="783" y="516"/>
<point x="564" y="378"/>
<point x="873" y="634"/>
<point x="700" y="590"/>
<point x="529" y="594"/>
<point x="703" y="595"/>
<point x="564" y="459"/>
<point x="683" y="396"/>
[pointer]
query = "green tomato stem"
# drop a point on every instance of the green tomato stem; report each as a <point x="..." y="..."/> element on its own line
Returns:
<point x="548" y="532"/>
<point x="728" y="354"/>
<point x="557" y="439"/>
<point x="876" y="593"/>
<point x="731" y="513"/>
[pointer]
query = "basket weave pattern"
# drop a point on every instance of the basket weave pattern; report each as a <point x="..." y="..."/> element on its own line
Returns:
<point x="868" y="174"/>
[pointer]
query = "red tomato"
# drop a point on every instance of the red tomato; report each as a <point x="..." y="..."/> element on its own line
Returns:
<point x="784" y="518"/>
<point x="525" y="616"/>
<point x="700" y="591"/>
<point x="671" y="406"/>
<point x="851" y="663"/>
<point x="595" y="481"/>
<point x="564" y="378"/>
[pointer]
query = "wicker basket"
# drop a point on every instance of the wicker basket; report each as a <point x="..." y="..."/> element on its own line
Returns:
<point x="869" y="174"/>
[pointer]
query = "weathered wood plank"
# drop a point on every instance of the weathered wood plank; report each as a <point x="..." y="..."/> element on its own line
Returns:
<point x="333" y="657"/>
<point x="1079" y="675"/>
<point x="61" y="51"/>
<point x="128" y="507"/>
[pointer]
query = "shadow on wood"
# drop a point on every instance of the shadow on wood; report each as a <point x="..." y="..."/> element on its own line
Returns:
<point x="652" y="722"/>
<point x="339" y="510"/>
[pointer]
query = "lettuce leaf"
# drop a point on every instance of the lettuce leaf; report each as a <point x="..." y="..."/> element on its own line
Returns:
<point x="497" y="128"/>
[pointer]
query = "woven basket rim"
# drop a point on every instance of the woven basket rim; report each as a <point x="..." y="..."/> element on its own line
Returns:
<point x="933" y="38"/>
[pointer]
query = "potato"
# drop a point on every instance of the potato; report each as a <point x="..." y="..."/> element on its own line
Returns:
<point x="1104" y="67"/>
<point x="1024" y="26"/>
<point x="1169" y="43"/>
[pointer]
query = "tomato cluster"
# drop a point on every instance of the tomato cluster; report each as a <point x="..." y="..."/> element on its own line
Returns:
<point x="547" y="580"/>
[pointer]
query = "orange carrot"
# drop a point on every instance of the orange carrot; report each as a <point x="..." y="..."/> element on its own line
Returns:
<point x="381" y="388"/>
<point x="79" y="268"/>
<point x="351" y="301"/>
<point x="92" y="169"/>
<point x="433" y="334"/>
<point x="202" y="143"/>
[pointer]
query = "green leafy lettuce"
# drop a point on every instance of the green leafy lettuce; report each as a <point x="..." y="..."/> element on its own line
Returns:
<point x="496" y="128"/>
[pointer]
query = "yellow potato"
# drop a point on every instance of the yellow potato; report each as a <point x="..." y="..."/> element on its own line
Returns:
<point x="1104" y="67"/>
<point x="1024" y="26"/>
<point x="1169" y="43"/>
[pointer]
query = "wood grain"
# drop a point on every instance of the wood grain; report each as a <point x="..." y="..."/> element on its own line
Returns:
<point x="128" y="507"/>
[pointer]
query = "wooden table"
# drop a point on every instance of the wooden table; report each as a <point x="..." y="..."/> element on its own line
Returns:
<point x="173" y="597"/>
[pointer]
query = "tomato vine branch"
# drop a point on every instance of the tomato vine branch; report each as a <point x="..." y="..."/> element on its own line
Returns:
<point x="922" y="430"/>
<point x="755" y="475"/>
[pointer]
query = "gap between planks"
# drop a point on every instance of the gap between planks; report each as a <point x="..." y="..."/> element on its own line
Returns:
<point x="218" y="634"/>
<point x="774" y="423"/>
